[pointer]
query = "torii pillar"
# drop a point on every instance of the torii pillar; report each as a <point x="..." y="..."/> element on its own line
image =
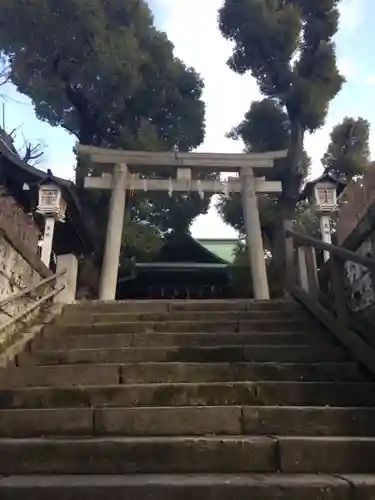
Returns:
<point x="111" y="259"/>
<point x="254" y="235"/>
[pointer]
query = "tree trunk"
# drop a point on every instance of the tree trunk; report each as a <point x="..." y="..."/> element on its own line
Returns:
<point x="86" y="137"/>
<point x="293" y="180"/>
<point x="289" y="198"/>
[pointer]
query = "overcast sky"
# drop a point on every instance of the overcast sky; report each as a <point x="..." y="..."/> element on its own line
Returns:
<point x="192" y="27"/>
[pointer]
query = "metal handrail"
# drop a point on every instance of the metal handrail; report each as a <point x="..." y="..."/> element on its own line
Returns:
<point x="28" y="290"/>
<point x="343" y="253"/>
<point x="32" y="308"/>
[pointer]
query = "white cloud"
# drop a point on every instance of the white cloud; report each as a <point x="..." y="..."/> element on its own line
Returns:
<point x="370" y="80"/>
<point x="351" y="12"/>
<point x="350" y="15"/>
<point x="192" y="26"/>
<point x="348" y="68"/>
<point x="212" y="226"/>
<point x="316" y="145"/>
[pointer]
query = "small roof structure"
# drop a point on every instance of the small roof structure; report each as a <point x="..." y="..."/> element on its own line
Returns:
<point x="16" y="175"/>
<point x="326" y="177"/>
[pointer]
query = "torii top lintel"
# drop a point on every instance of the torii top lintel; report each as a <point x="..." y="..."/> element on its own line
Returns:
<point x="260" y="162"/>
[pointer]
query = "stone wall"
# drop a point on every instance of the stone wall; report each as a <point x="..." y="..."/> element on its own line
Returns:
<point x="13" y="219"/>
<point x="20" y="265"/>
<point x="361" y="280"/>
<point x="356" y="201"/>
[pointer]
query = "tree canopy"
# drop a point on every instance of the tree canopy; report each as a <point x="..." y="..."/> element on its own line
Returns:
<point x="102" y="71"/>
<point x="266" y="127"/>
<point x="287" y="45"/>
<point x="348" y="153"/>
<point x="106" y="75"/>
<point x="347" y="156"/>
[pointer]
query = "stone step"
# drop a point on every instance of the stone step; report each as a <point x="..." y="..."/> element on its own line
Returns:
<point x="118" y="340"/>
<point x="222" y="305"/>
<point x="138" y="373"/>
<point x="140" y="306"/>
<point x="327" y="454"/>
<point x="308" y="421"/>
<point x="22" y="423"/>
<point x="123" y="455"/>
<point x="348" y="394"/>
<point x="188" y="421"/>
<point x="123" y="317"/>
<point x="64" y="375"/>
<point x="255" y="326"/>
<point x="188" y="487"/>
<point x="190" y="454"/>
<point x="226" y="372"/>
<point x="188" y="354"/>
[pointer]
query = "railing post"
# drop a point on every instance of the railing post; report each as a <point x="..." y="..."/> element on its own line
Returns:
<point x="68" y="262"/>
<point x="372" y="271"/>
<point x="338" y="291"/>
<point x="312" y="271"/>
<point x="290" y="270"/>
<point x="307" y="270"/>
<point x="302" y="269"/>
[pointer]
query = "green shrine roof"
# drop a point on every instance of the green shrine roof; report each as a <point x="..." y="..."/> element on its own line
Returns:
<point x="182" y="251"/>
<point x="223" y="248"/>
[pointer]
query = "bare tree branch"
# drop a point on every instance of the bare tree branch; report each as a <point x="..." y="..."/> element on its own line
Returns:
<point x="31" y="153"/>
<point x="4" y="71"/>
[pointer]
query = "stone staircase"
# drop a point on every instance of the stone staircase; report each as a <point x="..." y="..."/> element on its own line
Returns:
<point x="214" y="400"/>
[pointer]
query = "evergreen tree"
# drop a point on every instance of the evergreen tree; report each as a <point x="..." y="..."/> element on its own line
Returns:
<point x="348" y="153"/>
<point x="288" y="47"/>
<point x="102" y="71"/>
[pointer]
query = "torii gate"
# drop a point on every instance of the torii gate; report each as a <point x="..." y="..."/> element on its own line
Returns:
<point x="126" y="165"/>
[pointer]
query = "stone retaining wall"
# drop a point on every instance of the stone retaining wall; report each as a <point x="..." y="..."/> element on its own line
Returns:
<point x="20" y="265"/>
<point x="361" y="281"/>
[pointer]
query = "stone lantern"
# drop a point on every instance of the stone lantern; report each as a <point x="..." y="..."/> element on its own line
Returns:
<point x="52" y="206"/>
<point x="323" y="192"/>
